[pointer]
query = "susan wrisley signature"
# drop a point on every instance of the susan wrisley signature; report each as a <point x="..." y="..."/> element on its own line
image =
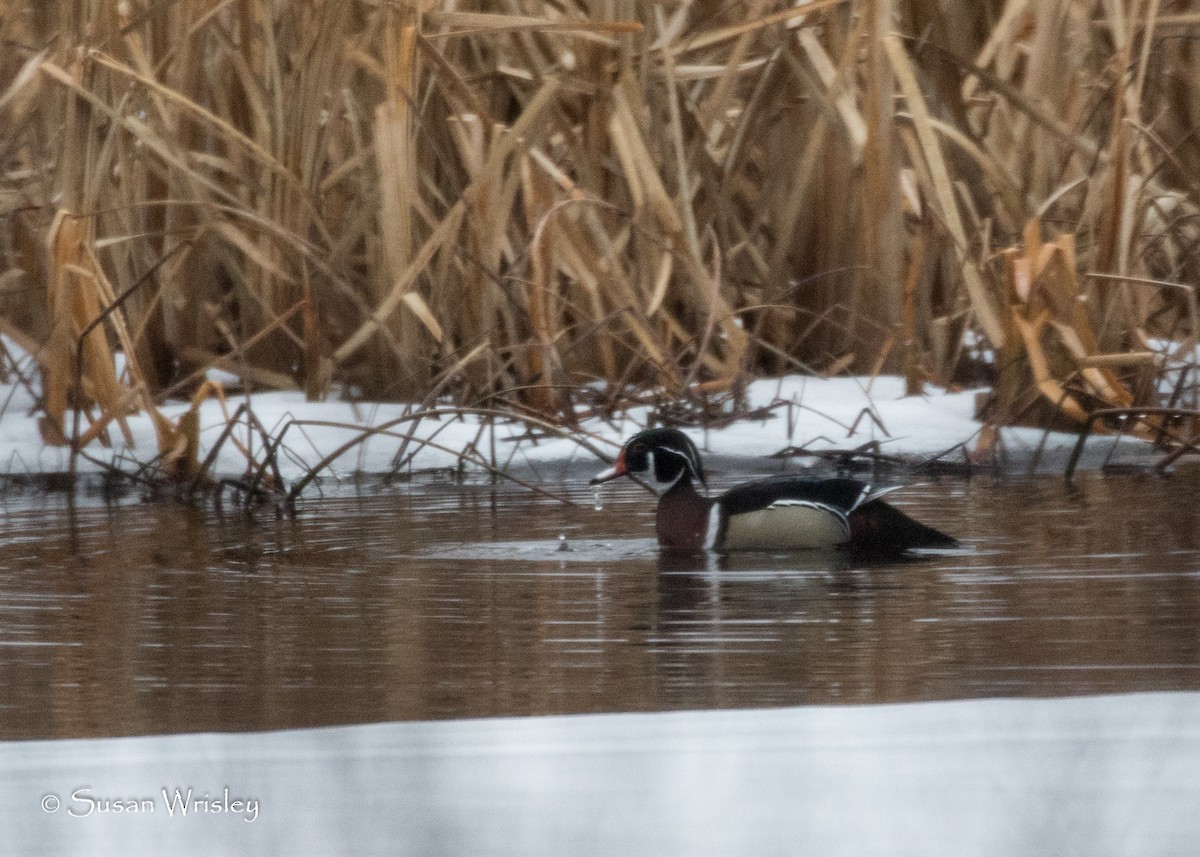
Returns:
<point x="176" y="802"/>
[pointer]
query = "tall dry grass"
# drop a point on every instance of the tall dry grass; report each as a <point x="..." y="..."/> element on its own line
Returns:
<point x="502" y="201"/>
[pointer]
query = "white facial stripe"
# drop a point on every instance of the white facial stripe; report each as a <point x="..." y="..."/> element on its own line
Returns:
<point x="687" y="459"/>
<point x="658" y="489"/>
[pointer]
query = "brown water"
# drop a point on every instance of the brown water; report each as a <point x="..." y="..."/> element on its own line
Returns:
<point x="444" y="600"/>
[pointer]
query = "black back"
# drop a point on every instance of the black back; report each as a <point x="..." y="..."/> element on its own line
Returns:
<point x="842" y="495"/>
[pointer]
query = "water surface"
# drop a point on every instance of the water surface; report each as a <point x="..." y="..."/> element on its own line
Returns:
<point x="437" y="600"/>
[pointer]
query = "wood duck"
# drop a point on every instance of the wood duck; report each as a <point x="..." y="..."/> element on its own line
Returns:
<point x="777" y="513"/>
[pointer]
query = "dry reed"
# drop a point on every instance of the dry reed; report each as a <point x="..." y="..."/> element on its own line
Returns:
<point x="502" y="203"/>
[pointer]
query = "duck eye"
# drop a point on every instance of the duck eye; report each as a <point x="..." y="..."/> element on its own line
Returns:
<point x="638" y="447"/>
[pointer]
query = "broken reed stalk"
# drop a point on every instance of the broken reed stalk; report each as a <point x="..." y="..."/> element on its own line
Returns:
<point x="103" y="315"/>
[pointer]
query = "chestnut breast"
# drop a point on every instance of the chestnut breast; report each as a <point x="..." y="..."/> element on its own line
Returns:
<point x="682" y="518"/>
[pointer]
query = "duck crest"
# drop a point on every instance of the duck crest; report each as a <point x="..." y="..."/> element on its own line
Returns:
<point x="666" y="452"/>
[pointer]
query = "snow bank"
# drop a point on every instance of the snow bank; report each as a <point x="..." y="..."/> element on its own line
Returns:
<point x="816" y="414"/>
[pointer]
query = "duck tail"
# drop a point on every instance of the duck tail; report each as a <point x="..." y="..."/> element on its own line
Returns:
<point x="878" y="528"/>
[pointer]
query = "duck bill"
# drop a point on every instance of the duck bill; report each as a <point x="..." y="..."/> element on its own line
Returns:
<point x="618" y="469"/>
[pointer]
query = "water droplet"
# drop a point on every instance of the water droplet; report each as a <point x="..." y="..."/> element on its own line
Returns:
<point x="599" y="504"/>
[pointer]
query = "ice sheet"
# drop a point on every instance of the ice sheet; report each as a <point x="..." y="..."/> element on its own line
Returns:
<point x="1090" y="776"/>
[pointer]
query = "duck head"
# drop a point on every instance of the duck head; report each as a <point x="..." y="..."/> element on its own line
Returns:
<point x="667" y="454"/>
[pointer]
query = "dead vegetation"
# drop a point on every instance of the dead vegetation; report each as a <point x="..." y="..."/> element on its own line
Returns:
<point x="500" y="203"/>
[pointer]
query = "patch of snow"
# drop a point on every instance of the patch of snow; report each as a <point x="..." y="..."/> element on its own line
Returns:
<point x="816" y="414"/>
